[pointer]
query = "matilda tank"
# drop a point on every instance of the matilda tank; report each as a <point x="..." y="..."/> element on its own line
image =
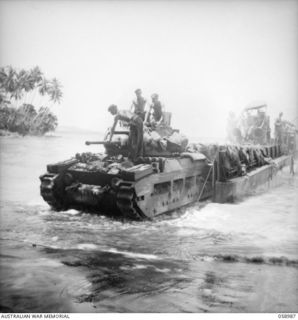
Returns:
<point x="164" y="179"/>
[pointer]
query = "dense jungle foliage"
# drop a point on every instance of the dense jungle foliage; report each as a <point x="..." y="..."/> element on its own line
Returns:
<point x="26" y="99"/>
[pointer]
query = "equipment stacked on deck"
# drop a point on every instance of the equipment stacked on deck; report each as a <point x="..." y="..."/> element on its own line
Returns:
<point x="234" y="161"/>
<point x="164" y="140"/>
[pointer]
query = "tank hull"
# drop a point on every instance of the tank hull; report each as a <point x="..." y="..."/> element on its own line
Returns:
<point x="150" y="190"/>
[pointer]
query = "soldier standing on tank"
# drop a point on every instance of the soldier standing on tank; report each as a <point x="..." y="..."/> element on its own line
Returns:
<point x="155" y="113"/>
<point x="138" y="105"/>
<point x="278" y="129"/>
<point x="135" y="122"/>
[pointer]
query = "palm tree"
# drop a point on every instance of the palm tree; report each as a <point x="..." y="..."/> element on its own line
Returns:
<point x="35" y="77"/>
<point x="54" y="91"/>
<point x="17" y="93"/>
<point x="15" y="87"/>
<point x="3" y="97"/>
<point x="36" y="74"/>
<point x="43" y="86"/>
<point x="3" y="92"/>
<point x="3" y="77"/>
<point x="12" y="83"/>
<point x="10" y="80"/>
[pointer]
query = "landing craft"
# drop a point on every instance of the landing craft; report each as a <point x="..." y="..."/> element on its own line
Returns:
<point x="170" y="175"/>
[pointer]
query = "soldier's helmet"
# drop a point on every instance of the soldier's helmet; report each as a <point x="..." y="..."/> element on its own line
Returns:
<point x="112" y="108"/>
<point x="138" y="91"/>
<point x="154" y="96"/>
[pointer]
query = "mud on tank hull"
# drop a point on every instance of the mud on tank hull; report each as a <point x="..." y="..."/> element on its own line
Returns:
<point x="153" y="186"/>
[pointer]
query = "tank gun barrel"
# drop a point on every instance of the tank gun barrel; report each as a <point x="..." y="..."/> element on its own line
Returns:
<point x="95" y="142"/>
<point x="101" y="142"/>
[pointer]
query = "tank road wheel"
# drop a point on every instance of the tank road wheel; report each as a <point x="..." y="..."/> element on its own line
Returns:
<point x="126" y="202"/>
<point x="50" y="192"/>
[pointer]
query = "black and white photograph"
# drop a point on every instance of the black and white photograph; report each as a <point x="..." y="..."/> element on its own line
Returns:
<point x="148" y="157"/>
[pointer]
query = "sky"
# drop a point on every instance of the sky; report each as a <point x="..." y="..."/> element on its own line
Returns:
<point x="203" y="58"/>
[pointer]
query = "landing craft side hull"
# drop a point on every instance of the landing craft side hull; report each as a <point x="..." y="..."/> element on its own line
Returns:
<point x="237" y="188"/>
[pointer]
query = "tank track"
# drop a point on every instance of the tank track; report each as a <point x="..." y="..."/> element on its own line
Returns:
<point x="126" y="202"/>
<point x="125" y="197"/>
<point x="48" y="191"/>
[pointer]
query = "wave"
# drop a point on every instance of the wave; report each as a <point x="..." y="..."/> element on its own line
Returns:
<point x="281" y="261"/>
<point x="135" y="254"/>
<point x="225" y="258"/>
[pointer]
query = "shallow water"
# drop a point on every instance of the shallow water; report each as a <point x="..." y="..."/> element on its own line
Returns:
<point x="204" y="258"/>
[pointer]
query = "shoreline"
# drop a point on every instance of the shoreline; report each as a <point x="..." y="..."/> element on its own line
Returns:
<point x="7" y="133"/>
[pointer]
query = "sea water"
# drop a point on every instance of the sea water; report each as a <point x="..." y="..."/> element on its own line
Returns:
<point x="208" y="257"/>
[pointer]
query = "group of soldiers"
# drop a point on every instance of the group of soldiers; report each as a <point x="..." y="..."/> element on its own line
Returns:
<point x="249" y="127"/>
<point x="136" y="118"/>
<point x="255" y="128"/>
